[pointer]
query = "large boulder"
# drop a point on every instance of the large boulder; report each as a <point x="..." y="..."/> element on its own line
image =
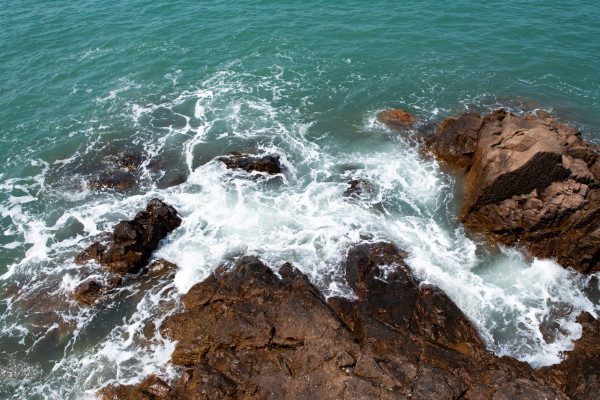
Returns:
<point x="131" y="244"/>
<point x="247" y="332"/>
<point x="530" y="179"/>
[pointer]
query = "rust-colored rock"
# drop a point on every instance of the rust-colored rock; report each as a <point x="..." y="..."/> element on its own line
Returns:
<point x="132" y="242"/>
<point x="530" y="179"/>
<point x="266" y="164"/>
<point x="398" y="117"/>
<point x="579" y="375"/>
<point x="249" y="333"/>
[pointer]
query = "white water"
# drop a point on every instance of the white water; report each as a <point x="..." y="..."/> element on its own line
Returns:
<point x="525" y="308"/>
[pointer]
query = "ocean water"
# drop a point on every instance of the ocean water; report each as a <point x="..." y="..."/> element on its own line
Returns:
<point x="181" y="82"/>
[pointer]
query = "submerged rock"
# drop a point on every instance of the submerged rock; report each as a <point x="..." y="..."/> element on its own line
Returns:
<point x="357" y="187"/>
<point x="121" y="180"/>
<point x="249" y="333"/>
<point x="268" y="164"/>
<point x="92" y="292"/>
<point x="398" y="117"/>
<point x="530" y="179"/>
<point x="132" y="242"/>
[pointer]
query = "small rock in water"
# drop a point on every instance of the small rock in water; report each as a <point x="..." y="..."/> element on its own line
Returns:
<point x="357" y="188"/>
<point x="268" y="164"/>
<point x="398" y="117"/>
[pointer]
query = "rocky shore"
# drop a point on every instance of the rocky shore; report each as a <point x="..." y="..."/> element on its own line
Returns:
<point x="530" y="180"/>
<point x="248" y="332"/>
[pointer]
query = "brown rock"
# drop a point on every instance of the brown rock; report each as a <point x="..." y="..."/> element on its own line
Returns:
<point x="398" y="117"/>
<point x="92" y="293"/>
<point x="456" y="140"/>
<point x="530" y="179"/>
<point x="267" y="164"/>
<point x="134" y="241"/>
<point x="89" y="293"/>
<point x="579" y="375"/>
<point x="152" y="388"/>
<point x="247" y="333"/>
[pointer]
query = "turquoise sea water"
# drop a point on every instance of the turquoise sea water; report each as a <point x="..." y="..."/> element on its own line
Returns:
<point x="181" y="82"/>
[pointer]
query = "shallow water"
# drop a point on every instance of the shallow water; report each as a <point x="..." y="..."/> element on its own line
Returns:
<point x="182" y="82"/>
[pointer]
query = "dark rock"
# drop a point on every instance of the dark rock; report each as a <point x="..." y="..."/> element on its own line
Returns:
<point x="247" y="333"/>
<point x="357" y="188"/>
<point x="130" y="160"/>
<point x="267" y="164"/>
<point x="121" y="180"/>
<point x="134" y="241"/>
<point x="530" y="179"/>
<point x="398" y="117"/>
<point x="152" y="388"/>
<point x="579" y="375"/>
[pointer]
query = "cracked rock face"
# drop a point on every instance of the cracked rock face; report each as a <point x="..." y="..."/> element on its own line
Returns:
<point x="248" y="333"/>
<point x="529" y="179"/>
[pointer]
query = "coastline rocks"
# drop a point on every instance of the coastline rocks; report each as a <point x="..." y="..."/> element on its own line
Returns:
<point x="530" y="179"/>
<point x="132" y="242"/>
<point x="127" y="250"/>
<point x="247" y="332"/>
<point x="579" y="375"/>
<point x="397" y="118"/>
<point x="267" y="164"/>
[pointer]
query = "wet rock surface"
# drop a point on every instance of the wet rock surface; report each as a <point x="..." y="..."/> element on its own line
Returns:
<point x="267" y="164"/>
<point x="132" y="242"/>
<point x="357" y="188"/>
<point x="247" y="332"/>
<point x="127" y="250"/>
<point x="122" y="174"/>
<point x="579" y="375"/>
<point x="397" y="118"/>
<point x="530" y="179"/>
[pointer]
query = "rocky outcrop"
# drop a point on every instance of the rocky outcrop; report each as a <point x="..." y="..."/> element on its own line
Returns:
<point x="267" y="164"/>
<point x="247" y="332"/>
<point x="397" y="118"/>
<point x="530" y="179"/>
<point x="127" y="250"/>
